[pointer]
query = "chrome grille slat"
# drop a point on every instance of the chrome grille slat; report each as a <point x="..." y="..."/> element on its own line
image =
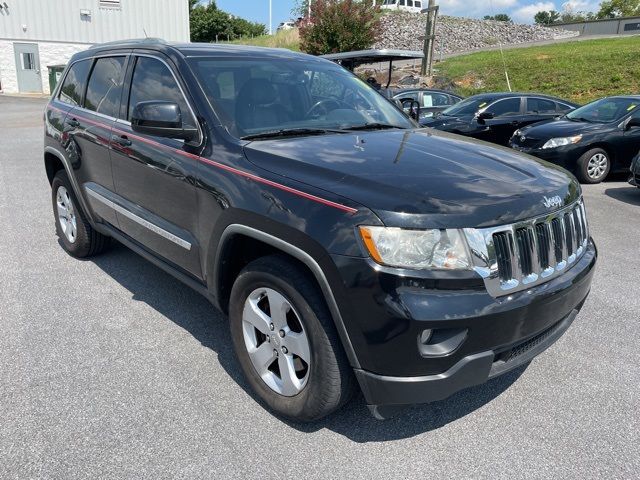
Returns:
<point x="515" y="257"/>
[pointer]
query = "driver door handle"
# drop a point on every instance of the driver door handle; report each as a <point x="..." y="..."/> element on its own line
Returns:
<point x="121" y="140"/>
<point x="72" y="122"/>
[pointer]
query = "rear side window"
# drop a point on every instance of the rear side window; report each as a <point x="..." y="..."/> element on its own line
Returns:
<point x="510" y="106"/>
<point x="74" y="83"/>
<point x="540" y="105"/>
<point x="152" y="80"/>
<point x="105" y="86"/>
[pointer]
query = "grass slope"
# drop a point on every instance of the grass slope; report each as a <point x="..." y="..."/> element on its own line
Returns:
<point x="580" y="71"/>
<point x="283" y="39"/>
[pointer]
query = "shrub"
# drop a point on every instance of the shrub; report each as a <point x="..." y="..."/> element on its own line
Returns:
<point x="339" y="26"/>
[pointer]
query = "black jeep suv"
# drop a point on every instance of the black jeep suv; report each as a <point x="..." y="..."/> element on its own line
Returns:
<point x="347" y="246"/>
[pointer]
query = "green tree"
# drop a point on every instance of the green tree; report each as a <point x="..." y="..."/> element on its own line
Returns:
<point x="619" y="8"/>
<point x="208" y="21"/>
<point x="501" y="17"/>
<point x="546" y="17"/>
<point x="339" y="26"/>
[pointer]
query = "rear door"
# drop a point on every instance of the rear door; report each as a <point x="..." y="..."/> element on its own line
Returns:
<point x="154" y="176"/>
<point x="90" y="125"/>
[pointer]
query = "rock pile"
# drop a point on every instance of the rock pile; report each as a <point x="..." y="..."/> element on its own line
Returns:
<point x="402" y="30"/>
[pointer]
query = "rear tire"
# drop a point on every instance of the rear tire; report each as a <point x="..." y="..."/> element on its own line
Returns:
<point x="593" y="166"/>
<point x="298" y="388"/>
<point x="77" y="236"/>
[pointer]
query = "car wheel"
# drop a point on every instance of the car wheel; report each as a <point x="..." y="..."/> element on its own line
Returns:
<point x="593" y="166"/>
<point x="76" y="235"/>
<point x="286" y="342"/>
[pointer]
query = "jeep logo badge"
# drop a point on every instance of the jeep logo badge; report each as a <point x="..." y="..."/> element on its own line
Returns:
<point x="523" y="138"/>
<point x="552" y="202"/>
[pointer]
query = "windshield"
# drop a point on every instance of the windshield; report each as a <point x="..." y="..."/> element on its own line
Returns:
<point x="254" y="96"/>
<point x="469" y="106"/>
<point x="605" y="110"/>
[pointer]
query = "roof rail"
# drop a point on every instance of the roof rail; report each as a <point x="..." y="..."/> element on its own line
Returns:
<point x="132" y="41"/>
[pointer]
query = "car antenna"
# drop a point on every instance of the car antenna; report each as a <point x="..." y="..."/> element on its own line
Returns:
<point x="145" y="33"/>
<point x="504" y="62"/>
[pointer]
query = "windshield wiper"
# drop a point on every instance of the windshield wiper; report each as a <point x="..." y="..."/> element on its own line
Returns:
<point x="372" y="126"/>
<point x="290" y="132"/>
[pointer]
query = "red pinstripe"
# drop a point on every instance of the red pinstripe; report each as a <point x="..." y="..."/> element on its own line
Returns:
<point x="221" y="166"/>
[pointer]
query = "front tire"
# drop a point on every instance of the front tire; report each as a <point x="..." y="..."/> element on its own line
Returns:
<point x="76" y="234"/>
<point x="286" y="342"/>
<point x="593" y="166"/>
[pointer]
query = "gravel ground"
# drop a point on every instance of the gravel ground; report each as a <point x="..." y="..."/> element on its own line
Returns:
<point x="110" y="368"/>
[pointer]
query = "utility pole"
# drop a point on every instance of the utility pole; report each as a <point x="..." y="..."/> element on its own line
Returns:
<point x="429" y="38"/>
<point x="270" y="22"/>
<point x="309" y="6"/>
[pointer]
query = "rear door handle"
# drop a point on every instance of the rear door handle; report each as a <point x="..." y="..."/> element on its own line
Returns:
<point x="121" y="140"/>
<point x="73" y="123"/>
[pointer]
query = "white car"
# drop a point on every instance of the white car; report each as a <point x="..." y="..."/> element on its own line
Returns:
<point x="414" y="6"/>
<point x="286" y="25"/>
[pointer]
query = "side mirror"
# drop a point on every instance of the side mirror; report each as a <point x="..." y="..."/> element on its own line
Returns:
<point x="633" y="123"/>
<point x="411" y="108"/>
<point x="162" y="119"/>
<point x="485" y="116"/>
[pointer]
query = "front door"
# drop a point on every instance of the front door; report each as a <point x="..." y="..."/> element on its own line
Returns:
<point x="28" y="67"/>
<point x="155" y="177"/>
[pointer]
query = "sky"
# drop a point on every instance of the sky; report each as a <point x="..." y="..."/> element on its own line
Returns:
<point x="520" y="10"/>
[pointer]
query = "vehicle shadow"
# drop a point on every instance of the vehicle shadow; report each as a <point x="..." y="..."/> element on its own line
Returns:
<point x="630" y="194"/>
<point x="192" y="312"/>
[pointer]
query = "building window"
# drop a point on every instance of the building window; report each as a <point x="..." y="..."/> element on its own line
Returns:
<point x="109" y="3"/>
<point x="28" y="61"/>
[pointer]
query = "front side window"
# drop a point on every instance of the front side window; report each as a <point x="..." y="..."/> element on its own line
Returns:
<point x="253" y="96"/>
<point x="105" y="86"/>
<point x="152" y="80"/>
<point x="605" y="110"/>
<point x="74" y="83"/>
<point x="510" y="106"/>
<point x="540" y="106"/>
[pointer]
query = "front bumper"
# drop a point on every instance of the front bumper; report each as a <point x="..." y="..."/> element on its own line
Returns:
<point x="566" y="156"/>
<point x="500" y="334"/>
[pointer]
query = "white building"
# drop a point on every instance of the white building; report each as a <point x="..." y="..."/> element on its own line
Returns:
<point x="35" y="34"/>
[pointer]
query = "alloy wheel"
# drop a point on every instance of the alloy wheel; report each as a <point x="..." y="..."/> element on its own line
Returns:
<point x="276" y="341"/>
<point x="597" y="166"/>
<point x="66" y="214"/>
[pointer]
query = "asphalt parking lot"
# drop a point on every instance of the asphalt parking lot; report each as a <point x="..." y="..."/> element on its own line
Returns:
<point x="110" y="368"/>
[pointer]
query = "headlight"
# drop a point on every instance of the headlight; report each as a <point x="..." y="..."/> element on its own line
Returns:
<point x="562" y="141"/>
<point x="396" y="247"/>
<point x="516" y="133"/>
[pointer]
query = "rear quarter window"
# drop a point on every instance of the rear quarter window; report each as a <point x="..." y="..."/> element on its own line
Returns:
<point x="75" y="82"/>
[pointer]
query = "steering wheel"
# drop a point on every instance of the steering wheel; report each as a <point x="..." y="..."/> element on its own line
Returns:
<point x="324" y="104"/>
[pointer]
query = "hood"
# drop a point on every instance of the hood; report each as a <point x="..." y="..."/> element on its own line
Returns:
<point x="420" y="178"/>
<point x="448" y="123"/>
<point x="560" y="127"/>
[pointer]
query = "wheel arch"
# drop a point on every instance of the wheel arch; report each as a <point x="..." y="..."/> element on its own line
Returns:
<point x="54" y="161"/>
<point x="240" y="244"/>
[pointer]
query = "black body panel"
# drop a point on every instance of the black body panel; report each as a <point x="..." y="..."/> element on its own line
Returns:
<point x="185" y="205"/>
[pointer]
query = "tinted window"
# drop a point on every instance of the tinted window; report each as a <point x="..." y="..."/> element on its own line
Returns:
<point x="540" y="105"/>
<point x="152" y="80"/>
<point x="74" y="83"/>
<point x="510" y="106"/>
<point x="563" y="108"/>
<point x="105" y="86"/>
